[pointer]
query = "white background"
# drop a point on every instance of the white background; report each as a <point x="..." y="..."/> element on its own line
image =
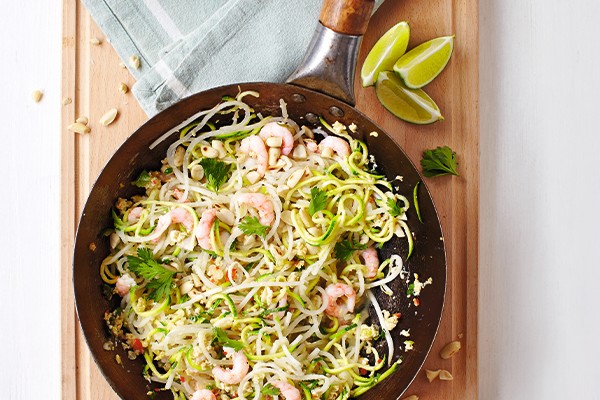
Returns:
<point x="539" y="267"/>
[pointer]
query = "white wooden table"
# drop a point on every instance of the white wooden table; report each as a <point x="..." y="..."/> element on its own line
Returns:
<point x="540" y="196"/>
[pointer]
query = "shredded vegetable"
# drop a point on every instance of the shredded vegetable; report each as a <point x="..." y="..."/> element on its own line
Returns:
<point x="246" y="266"/>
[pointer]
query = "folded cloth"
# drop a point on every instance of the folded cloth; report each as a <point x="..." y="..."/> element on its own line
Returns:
<point x="187" y="46"/>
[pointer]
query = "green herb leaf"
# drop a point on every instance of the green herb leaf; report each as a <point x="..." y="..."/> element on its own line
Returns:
<point x="394" y="207"/>
<point x="142" y="180"/>
<point x="270" y="390"/>
<point x="222" y="338"/>
<point x="251" y="226"/>
<point x="410" y="290"/>
<point x="440" y="161"/>
<point x="160" y="279"/>
<point x="344" y="249"/>
<point x="216" y="172"/>
<point x="318" y="201"/>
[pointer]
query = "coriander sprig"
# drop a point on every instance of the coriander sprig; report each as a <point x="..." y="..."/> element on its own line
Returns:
<point x="160" y="279"/>
<point x="439" y="161"/>
<point x="318" y="201"/>
<point x="343" y="250"/>
<point x="252" y="226"/>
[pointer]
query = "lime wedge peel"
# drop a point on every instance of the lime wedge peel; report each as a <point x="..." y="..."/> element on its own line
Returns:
<point x="411" y="105"/>
<point x="388" y="49"/>
<point x="422" y="64"/>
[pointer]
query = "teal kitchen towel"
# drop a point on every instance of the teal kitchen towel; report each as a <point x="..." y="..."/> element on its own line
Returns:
<point x="186" y="46"/>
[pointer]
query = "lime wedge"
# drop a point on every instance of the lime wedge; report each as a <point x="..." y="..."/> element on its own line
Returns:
<point x="388" y="49"/>
<point x="411" y="105"/>
<point x="422" y="64"/>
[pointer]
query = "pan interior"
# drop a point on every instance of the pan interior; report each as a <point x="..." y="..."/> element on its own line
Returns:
<point x="303" y="105"/>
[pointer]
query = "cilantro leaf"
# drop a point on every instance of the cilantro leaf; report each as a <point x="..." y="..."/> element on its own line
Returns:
<point x="222" y="338"/>
<point x="160" y="279"/>
<point x="440" y="161"/>
<point x="394" y="208"/>
<point x="216" y="172"/>
<point x="318" y="201"/>
<point x="344" y="249"/>
<point x="251" y="226"/>
<point x="410" y="290"/>
<point x="142" y="180"/>
<point x="270" y="390"/>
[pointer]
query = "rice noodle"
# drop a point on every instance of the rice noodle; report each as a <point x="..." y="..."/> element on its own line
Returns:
<point x="258" y="275"/>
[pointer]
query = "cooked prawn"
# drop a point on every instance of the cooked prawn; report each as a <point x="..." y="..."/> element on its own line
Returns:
<point x="288" y="391"/>
<point x="176" y="216"/>
<point x="262" y="203"/>
<point x="334" y="292"/>
<point x="134" y="215"/>
<point x="255" y="147"/>
<point x="204" y="226"/>
<point x="124" y="284"/>
<point x="371" y="262"/>
<point x="338" y="145"/>
<point x="236" y="373"/>
<point x="203" y="394"/>
<point x="274" y="129"/>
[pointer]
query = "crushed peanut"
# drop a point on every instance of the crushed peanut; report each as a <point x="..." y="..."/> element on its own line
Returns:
<point x="37" y="96"/>
<point x="134" y="61"/>
<point x="109" y="117"/>
<point x="450" y="349"/>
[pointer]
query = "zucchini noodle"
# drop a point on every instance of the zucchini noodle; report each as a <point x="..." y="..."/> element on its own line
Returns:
<point x="250" y="256"/>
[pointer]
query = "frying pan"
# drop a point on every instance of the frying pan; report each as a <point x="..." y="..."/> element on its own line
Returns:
<point x="328" y="67"/>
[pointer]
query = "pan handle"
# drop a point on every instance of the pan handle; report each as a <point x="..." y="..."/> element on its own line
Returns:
<point x="349" y="17"/>
<point x="330" y="61"/>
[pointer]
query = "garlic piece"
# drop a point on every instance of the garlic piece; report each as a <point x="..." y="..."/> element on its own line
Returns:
<point x="66" y="101"/>
<point x="109" y="117"/>
<point x="95" y="41"/>
<point x="123" y="88"/>
<point x="79" y="128"/>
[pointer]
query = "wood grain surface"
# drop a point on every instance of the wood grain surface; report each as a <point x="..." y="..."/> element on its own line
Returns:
<point x="91" y="77"/>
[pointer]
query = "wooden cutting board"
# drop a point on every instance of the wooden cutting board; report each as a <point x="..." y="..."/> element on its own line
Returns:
<point x="91" y="77"/>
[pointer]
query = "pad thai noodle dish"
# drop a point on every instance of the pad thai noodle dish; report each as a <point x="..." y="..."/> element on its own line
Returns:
<point x="247" y="264"/>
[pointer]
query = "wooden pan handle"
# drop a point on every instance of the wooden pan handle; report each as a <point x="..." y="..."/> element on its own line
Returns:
<point x="350" y="17"/>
